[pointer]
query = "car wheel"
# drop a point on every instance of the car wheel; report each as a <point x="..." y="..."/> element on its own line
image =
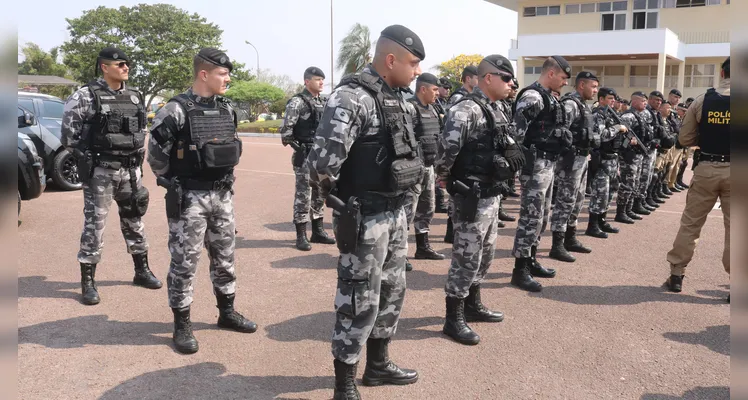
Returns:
<point x="65" y="171"/>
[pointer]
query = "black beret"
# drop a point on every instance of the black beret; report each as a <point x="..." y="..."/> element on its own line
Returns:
<point x="515" y="83"/>
<point x="445" y="83"/>
<point x="113" y="53"/>
<point x="563" y="64"/>
<point x="682" y="105"/>
<point x="587" y="75"/>
<point x="639" y="93"/>
<point x="217" y="57"/>
<point x="501" y="63"/>
<point x="314" y="71"/>
<point x="689" y="100"/>
<point x="606" y="91"/>
<point x="427" y="78"/>
<point x="470" y="70"/>
<point x="726" y="65"/>
<point x="657" y="93"/>
<point x="676" y="92"/>
<point x="406" y="38"/>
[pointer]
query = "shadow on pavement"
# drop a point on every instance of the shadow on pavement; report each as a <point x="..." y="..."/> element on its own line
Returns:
<point x="618" y="295"/>
<point x="717" y="294"/>
<point x="40" y="287"/>
<point x="310" y="261"/>
<point x="715" y="338"/>
<point x="290" y="227"/>
<point x="319" y="327"/>
<point x="422" y="280"/>
<point x="698" y="393"/>
<point x="208" y="380"/>
<point x="99" y="330"/>
<point x="243" y="243"/>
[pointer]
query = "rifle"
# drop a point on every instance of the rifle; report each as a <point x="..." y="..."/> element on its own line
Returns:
<point x="630" y="131"/>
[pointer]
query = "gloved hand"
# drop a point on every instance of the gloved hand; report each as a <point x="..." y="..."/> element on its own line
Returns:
<point x="565" y="137"/>
<point x="515" y="157"/>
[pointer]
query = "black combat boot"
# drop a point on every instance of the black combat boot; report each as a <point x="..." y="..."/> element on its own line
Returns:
<point x="345" y="381"/>
<point x="302" y="243"/>
<point x="230" y="319"/>
<point x="571" y="243"/>
<point x="659" y="192"/>
<point x="512" y="183"/>
<point x="604" y="225"/>
<point x="503" y="216"/>
<point x="630" y="210"/>
<point x="593" y="227"/>
<point x="143" y="275"/>
<point x="538" y="270"/>
<point x="318" y="233"/>
<point x="621" y="215"/>
<point x="449" y="236"/>
<point x="679" y="179"/>
<point x="500" y="224"/>
<point x="639" y="209"/>
<point x="666" y="190"/>
<point x="408" y="266"/>
<point x="521" y="276"/>
<point x="675" y="188"/>
<point x="184" y="341"/>
<point x="380" y="370"/>
<point x="424" y="250"/>
<point x="475" y="311"/>
<point x="675" y="283"/>
<point x="649" y="202"/>
<point x="88" y="284"/>
<point x="558" y="250"/>
<point x="455" y="325"/>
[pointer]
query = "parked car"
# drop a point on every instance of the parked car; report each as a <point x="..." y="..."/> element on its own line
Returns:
<point x="45" y="132"/>
<point x="31" y="178"/>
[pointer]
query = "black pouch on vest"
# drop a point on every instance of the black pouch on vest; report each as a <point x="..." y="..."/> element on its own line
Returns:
<point x="405" y="173"/>
<point x="529" y="166"/>
<point x="222" y="155"/>
<point x="503" y="170"/>
<point x="114" y="122"/>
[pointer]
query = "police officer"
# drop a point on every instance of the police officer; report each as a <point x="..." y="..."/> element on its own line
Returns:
<point x="419" y="202"/>
<point x="478" y="155"/>
<point x="303" y="112"/>
<point x="604" y="183"/>
<point x="679" y="167"/>
<point x="366" y="152"/>
<point x="676" y="153"/>
<point x="707" y="125"/>
<point x="631" y="159"/>
<point x="542" y="130"/>
<point x="469" y="80"/>
<point x="510" y="190"/>
<point x="442" y="198"/>
<point x="571" y="170"/>
<point x="103" y="124"/>
<point x="658" y="187"/>
<point x="193" y="151"/>
<point x="651" y="117"/>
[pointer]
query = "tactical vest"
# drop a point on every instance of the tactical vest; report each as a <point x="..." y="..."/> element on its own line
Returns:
<point x="674" y="123"/>
<point x="583" y="128"/>
<point x="206" y="147"/>
<point x="643" y="130"/>
<point x="714" y="128"/>
<point x="387" y="163"/>
<point x="119" y="123"/>
<point x="476" y="157"/>
<point x="540" y="132"/>
<point x="615" y="145"/>
<point x="304" y="129"/>
<point x="461" y="91"/>
<point x="427" y="128"/>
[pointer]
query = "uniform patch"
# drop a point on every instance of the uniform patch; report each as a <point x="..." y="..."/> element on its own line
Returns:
<point x="342" y="114"/>
<point x="390" y="102"/>
<point x="460" y="116"/>
<point x="134" y="99"/>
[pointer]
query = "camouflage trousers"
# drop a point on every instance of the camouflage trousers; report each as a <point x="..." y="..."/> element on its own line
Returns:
<point x="603" y="186"/>
<point x="371" y="284"/>
<point x="473" y="247"/>
<point x="630" y="175"/>
<point x="535" y="206"/>
<point x="104" y="186"/>
<point x="207" y="218"/>
<point x="441" y="195"/>
<point x="572" y="181"/>
<point x="420" y="204"/>
<point x="647" y="170"/>
<point x="307" y="197"/>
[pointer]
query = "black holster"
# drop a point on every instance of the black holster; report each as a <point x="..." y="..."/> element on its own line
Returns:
<point x="85" y="165"/>
<point x="137" y="204"/>
<point x="174" y="196"/>
<point x="530" y="156"/>
<point x="468" y="199"/>
<point x="349" y="222"/>
<point x="301" y="151"/>
<point x="696" y="157"/>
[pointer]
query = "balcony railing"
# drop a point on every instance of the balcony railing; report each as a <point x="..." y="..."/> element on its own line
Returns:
<point x="704" y="37"/>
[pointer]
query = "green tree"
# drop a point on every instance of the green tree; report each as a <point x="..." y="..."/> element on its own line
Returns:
<point x="160" y="40"/>
<point x="452" y="69"/>
<point x="257" y="95"/>
<point x="355" y="49"/>
<point x="39" y="62"/>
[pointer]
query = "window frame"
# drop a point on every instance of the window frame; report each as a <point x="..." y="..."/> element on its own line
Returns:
<point x="526" y="11"/>
<point x="614" y="14"/>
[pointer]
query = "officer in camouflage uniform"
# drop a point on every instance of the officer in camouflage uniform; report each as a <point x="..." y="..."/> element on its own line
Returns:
<point x="542" y="130"/>
<point x="193" y="151"/>
<point x="442" y="198"/>
<point x="655" y="192"/>
<point x="469" y="80"/>
<point x="631" y="159"/>
<point x="651" y="118"/>
<point x="103" y="124"/>
<point x="302" y="117"/>
<point x="571" y="169"/>
<point x="674" y="121"/>
<point x="366" y="156"/>
<point x="478" y="154"/>
<point x="419" y="203"/>
<point x="603" y="183"/>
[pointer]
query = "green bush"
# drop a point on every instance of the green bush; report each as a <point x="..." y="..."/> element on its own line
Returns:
<point x="260" y="127"/>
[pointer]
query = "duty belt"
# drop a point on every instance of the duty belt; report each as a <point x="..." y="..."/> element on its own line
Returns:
<point x="191" y="184"/>
<point x="714" y="157"/>
<point x="546" y="154"/>
<point x="484" y="191"/>
<point x="375" y="204"/>
<point x="105" y="160"/>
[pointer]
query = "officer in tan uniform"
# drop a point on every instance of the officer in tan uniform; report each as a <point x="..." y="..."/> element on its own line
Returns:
<point x="707" y="125"/>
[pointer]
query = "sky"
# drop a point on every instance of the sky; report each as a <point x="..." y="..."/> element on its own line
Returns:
<point x="292" y="35"/>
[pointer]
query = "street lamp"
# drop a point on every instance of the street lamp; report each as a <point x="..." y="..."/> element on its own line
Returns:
<point x="258" y="58"/>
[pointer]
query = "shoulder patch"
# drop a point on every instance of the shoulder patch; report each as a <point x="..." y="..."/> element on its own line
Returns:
<point x="342" y="114"/>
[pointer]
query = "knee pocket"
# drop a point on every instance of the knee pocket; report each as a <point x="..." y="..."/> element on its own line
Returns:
<point x="353" y="297"/>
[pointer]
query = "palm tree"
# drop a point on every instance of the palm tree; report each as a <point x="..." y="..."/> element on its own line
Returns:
<point x="355" y="50"/>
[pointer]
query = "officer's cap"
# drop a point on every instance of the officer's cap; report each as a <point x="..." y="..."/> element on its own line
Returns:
<point x="587" y="75"/>
<point x="683" y="106"/>
<point x="515" y="83"/>
<point x="113" y="54"/>
<point x="676" y="92"/>
<point x="689" y="100"/>
<point x="427" y="78"/>
<point x="470" y="70"/>
<point x="501" y="63"/>
<point x="657" y="93"/>
<point x="313" y="71"/>
<point x="639" y="93"/>
<point x="606" y="91"/>
<point x="445" y="83"/>
<point x="216" y="57"/>
<point x="563" y="64"/>
<point x="406" y="38"/>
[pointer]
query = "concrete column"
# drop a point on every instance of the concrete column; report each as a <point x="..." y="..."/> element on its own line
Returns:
<point x="520" y="73"/>
<point x="626" y="94"/>
<point x="681" y="75"/>
<point x="661" y="60"/>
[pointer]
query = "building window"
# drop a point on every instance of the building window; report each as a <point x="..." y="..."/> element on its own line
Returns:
<point x="646" y="4"/>
<point x="671" y="76"/>
<point x="690" y="3"/>
<point x="572" y="8"/>
<point x="539" y="11"/>
<point x="645" y="20"/>
<point x="613" y="22"/>
<point x="587" y="8"/>
<point x="700" y="75"/>
<point x="604" y="6"/>
<point x="643" y="76"/>
<point x="533" y="70"/>
<point x="613" y="76"/>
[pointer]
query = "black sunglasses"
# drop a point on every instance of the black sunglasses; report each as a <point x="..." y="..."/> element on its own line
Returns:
<point x="505" y="78"/>
<point x="121" y="64"/>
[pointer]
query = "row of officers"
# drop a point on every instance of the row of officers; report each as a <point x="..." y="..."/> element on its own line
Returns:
<point x="374" y="158"/>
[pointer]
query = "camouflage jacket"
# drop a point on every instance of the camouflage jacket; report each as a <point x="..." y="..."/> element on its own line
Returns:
<point x="528" y="107"/>
<point x="296" y="109"/>
<point x="606" y="124"/>
<point x="629" y="119"/>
